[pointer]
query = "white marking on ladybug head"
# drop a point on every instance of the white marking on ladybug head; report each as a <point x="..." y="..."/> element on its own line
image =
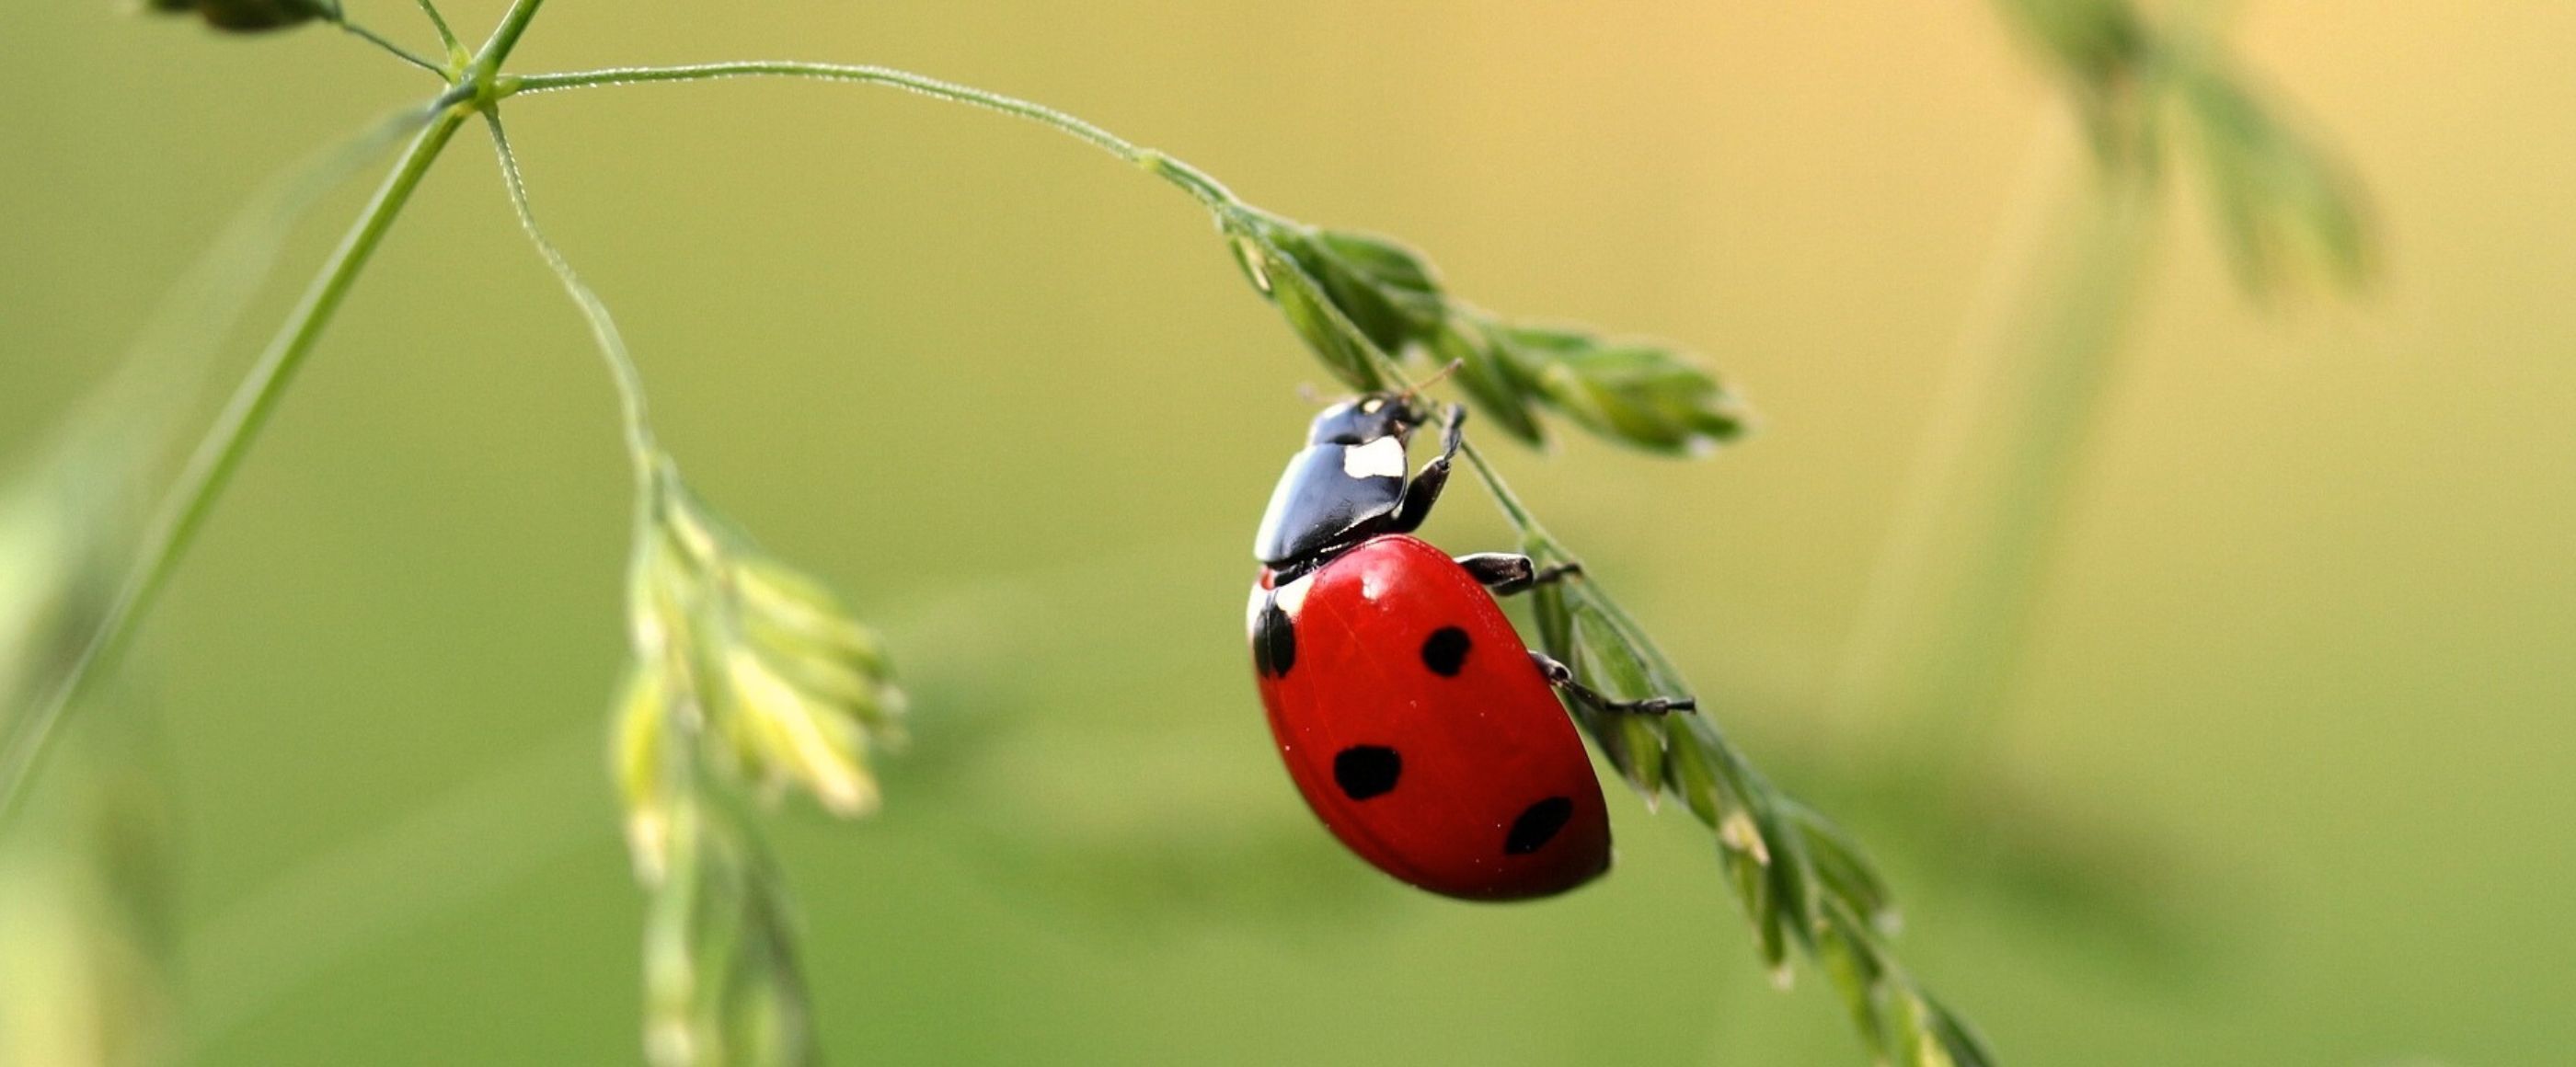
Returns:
<point x="1292" y="596"/>
<point x="1381" y="458"/>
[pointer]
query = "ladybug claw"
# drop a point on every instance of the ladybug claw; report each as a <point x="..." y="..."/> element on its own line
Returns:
<point x="1652" y="705"/>
<point x="1556" y="572"/>
<point x="1656" y="705"/>
<point x="1557" y="673"/>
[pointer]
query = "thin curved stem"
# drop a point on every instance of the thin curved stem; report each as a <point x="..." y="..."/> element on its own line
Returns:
<point x="651" y="465"/>
<point x="398" y="51"/>
<point x="446" y="36"/>
<point x="927" y="86"/>
<point x="640" y="446"/>
<point x="1205" y="189"/>
<point x="220" y="454"/>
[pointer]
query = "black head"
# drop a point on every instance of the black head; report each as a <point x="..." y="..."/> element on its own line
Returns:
<point x="1368" y="417"/>
<point x="1346" y="484"/>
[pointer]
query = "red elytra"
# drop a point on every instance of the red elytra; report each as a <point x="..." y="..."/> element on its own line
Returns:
<point x="1414" y="721"/>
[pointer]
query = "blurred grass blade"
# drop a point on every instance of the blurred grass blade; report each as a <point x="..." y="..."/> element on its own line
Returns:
<point x="2285" y="206"/>
<point x="170" y="356"/>
<point x="2105" y="54"/>
<point x="2100" y="46"/>
<point x="60" y="535"/>
<point x="71" y="522"/>
<point x="1958" y="1040"/>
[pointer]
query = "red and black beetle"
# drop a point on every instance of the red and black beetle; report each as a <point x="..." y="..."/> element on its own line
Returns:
<point x="1421" y="730"/>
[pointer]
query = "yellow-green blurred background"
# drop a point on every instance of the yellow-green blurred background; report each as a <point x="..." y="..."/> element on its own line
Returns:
<point x="2300" y="695"/>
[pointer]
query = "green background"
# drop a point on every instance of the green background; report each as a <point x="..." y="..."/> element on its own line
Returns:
<point x="2296" y="716"/>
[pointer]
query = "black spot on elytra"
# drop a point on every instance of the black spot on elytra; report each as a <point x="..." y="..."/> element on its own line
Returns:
<point x="1537" y="826"/>
<point x="1365" y="771"/>
<point x="1274" y="640"/>
<point x="1446" y="651"/>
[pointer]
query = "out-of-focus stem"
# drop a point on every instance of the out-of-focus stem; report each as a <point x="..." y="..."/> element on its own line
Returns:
<point x="220" y="454"/>
<point x="1947" y="612"/>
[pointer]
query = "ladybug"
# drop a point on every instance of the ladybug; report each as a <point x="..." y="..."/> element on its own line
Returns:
<point x="1420" y="729"/>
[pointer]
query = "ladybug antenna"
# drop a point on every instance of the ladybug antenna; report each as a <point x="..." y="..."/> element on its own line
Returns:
<point x="1433" y="379"/>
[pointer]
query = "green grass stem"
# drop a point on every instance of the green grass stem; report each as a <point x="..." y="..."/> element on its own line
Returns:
<point x="219" y="456"/>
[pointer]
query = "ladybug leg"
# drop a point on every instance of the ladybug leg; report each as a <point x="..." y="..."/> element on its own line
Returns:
<point x="1562" y="677"/>
<point x="1506" y="573"/>
<point x="1424" y="490"/>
